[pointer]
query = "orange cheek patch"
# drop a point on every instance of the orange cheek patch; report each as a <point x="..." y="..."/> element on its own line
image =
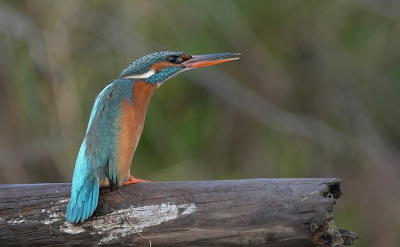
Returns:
<point x="160" y="66"/>
<point x="186" y="57"/>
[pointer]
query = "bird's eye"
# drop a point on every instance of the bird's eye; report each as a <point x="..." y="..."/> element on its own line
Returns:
<point x="175" y="59"/>
<point x="171" y="59"/>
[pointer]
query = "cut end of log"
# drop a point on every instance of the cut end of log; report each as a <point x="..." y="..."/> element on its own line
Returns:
<point x="348" y="236"/>
<point x="328" y="234"/>
<point x="334" y="190"/>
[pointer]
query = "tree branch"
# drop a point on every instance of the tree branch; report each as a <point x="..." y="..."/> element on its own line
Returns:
<point x="278" y="212"/>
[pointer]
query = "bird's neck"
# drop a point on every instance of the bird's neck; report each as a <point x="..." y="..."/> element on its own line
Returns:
<point x="141" y="94"/>
<point x="132" y="122"/>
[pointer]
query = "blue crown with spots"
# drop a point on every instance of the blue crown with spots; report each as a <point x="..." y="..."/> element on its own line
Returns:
<point x="143" y="64"/>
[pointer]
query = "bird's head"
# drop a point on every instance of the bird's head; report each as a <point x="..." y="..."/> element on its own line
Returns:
<point x="160" y="66"/>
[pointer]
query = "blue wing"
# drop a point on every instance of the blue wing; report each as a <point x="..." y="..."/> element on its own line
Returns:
<point x="96" y="158"/>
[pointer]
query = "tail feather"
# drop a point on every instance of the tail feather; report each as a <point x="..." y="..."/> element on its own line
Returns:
<point x="83" y="202"/>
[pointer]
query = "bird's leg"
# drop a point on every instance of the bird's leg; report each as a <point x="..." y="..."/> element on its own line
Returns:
<point x="133" y="180"/>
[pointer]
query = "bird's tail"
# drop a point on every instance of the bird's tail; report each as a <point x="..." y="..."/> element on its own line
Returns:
<point x="83" y="201"/>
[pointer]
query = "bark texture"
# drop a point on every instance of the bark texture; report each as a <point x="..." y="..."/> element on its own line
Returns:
<point x="256" y="212"/>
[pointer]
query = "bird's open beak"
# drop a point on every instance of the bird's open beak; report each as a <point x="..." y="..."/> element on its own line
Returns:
<point x="210" y="59"/>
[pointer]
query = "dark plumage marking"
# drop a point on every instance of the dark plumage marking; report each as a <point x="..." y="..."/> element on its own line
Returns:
<point x="113" y="186"/>
<point x="110" y="95"/>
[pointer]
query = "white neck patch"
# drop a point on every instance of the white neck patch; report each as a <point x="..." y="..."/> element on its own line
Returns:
<point x="141" y="76"/>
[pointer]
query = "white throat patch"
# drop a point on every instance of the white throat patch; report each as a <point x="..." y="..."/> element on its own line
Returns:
<point x="141" y="76"/>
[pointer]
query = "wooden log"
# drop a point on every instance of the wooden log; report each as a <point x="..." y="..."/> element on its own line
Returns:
<point x="257" y="212"/>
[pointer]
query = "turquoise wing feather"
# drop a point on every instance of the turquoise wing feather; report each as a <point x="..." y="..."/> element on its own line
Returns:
<point x="96" y="159"/>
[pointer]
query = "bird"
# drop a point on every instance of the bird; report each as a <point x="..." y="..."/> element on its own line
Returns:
<point x="116" y="124"/>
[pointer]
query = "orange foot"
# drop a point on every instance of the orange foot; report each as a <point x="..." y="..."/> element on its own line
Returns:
<point x="133" y="180"/>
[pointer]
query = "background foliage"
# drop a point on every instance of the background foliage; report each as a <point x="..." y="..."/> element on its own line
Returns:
<point x="315" y="94"/>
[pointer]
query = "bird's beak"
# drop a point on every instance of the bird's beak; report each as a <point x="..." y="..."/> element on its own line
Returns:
<point x="210" y="59"/>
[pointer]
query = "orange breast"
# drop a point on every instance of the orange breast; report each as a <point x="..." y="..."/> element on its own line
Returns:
<point x="132" y="121"/>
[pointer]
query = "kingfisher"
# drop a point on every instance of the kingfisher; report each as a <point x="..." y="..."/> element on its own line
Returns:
<point x="116" y="124"/>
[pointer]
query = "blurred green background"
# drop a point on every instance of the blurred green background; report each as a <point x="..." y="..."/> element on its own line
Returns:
<point x="316" y="93"/>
